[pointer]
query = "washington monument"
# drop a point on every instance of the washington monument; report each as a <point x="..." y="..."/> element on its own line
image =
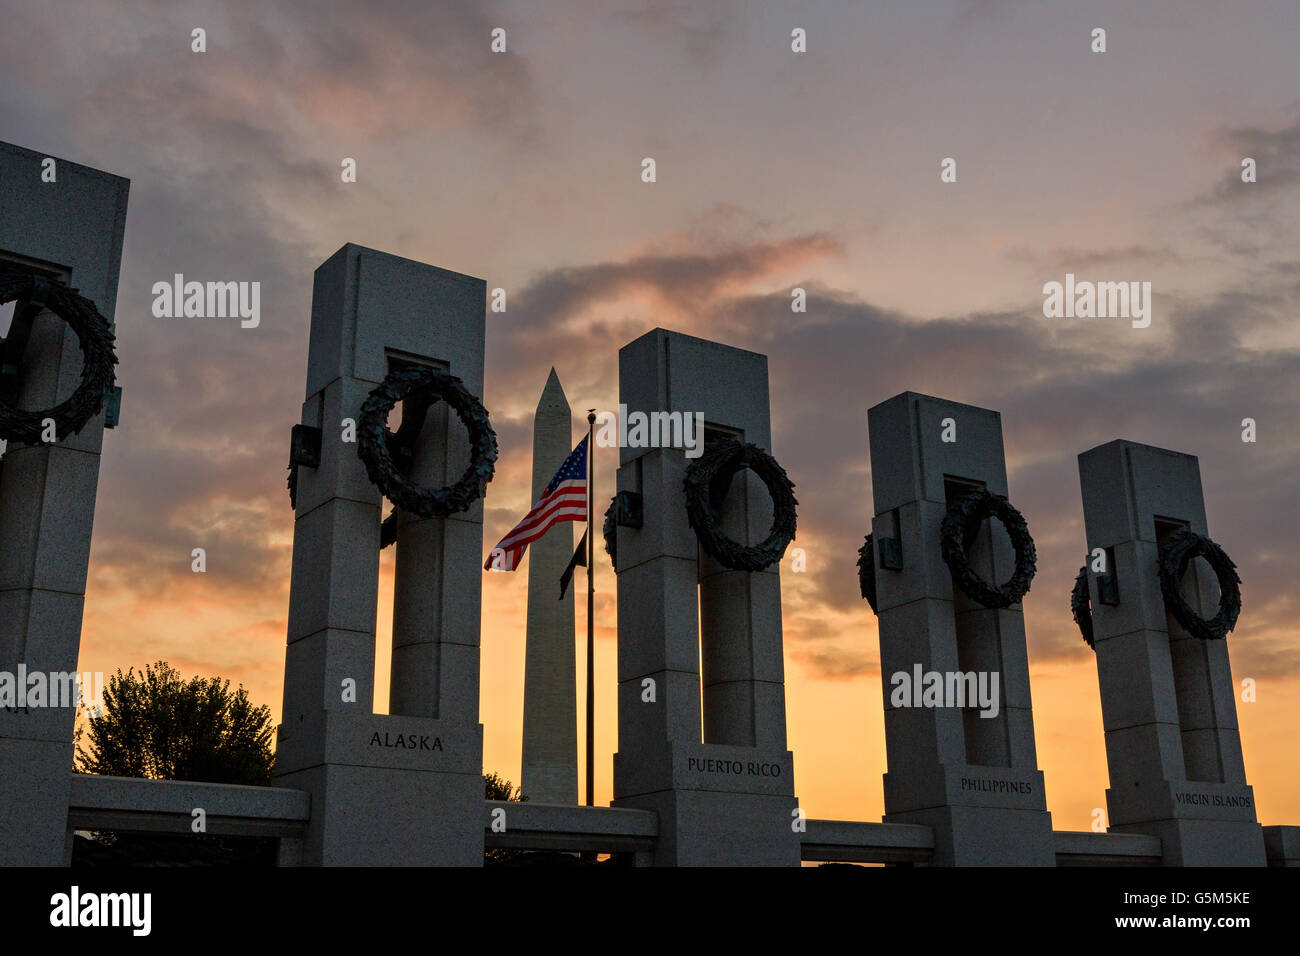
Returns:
<point x="550" y="757"/>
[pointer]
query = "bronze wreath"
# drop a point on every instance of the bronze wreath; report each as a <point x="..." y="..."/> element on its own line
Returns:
<point x="98" y="359"/>
<point x="962" y="523"/>
<point x="1081" y="606"/>
<point x="374" y="442"/>
<point x="867" y="572"/>
<point x="1175" y="556"/>
<point x="707" y="480"/>
<point x="609" y="529"/>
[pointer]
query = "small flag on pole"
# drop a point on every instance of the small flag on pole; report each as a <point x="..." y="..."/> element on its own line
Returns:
<point x="579" y="560"/>
<point x="565" y="499"/>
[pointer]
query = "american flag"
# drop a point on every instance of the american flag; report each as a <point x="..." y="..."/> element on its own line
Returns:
<point x="565" y="499"/>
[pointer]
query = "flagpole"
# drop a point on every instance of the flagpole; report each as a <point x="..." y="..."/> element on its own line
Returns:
<point x="591" y="606"/>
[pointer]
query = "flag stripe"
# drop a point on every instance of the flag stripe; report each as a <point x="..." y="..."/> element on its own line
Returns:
<point x="525" y="531"/>
<point x="545" y="506"/>
<point x="573" y="513"/>
<point x="545" y="519"/>
<point x="565" y="499"/>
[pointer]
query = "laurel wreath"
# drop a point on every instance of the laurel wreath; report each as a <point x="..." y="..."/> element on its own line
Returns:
<point x="374" y="442"/>
<point x="98" y="359"/>
<point x="1081" y="606"/>
<point x="957" y="532"/>
<point x="867" y="572"/>
<point x="609" y="530"/>
<point x="1178" y="552"/>
<point x="707" y="480"/>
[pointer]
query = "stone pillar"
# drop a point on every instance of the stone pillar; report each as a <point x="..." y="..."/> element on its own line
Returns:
<point x="712" y="762"/>
<point x="70" y="230"/>
<point x="550" y="757"/>
<point x="404" y="788"/>
<point x="1168" y="699"/>
<point x="974" y="779"/>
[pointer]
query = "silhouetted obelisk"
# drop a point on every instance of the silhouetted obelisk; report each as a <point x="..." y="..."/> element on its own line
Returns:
<point x="550" y="758"/>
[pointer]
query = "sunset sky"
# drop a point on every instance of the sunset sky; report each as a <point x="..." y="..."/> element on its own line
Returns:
<point x="774" y="170"/>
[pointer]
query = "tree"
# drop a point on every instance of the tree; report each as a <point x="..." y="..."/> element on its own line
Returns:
<point x="497" y="787"/>
<point x="157" y="725"/>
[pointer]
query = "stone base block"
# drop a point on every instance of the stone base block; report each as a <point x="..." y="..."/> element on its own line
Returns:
<point x="34" y="793"/>
<point x="985" y="836"/>
<point x="713" y="828"/>
<point x="1180" y="800"/>
<point x="1205" y="842"/>
<point x="1199" y="823"/>
<point x="366" y="816"/>
<point x="386" y="790"/>
<point x="718" y="805"/>
<point x="379" y="740"/>
<point x="1282" y="844"/>
<point x="711" y="767"/>
<point x="919" y="788"/>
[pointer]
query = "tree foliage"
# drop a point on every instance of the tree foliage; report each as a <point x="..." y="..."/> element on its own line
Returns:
<point x="155" y="724"/>
<point x="497" y="787"/>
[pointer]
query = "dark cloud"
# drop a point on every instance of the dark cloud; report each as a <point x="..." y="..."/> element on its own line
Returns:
<point x="1276" y="151"/>
<point x="227" y="151"/>
<point x="234" y="156"/>
<point x="548" y="316"/>
<point x="1062" y="386"/>
<point x="379" y="69"/>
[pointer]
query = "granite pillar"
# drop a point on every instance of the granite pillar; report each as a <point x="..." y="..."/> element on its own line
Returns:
<point x="1168" y="699"/>
<point x="973" y="778"/>
<point x="701" y="699"/>
<point x="404" y="788"/>
<point x="70" y="230"/>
